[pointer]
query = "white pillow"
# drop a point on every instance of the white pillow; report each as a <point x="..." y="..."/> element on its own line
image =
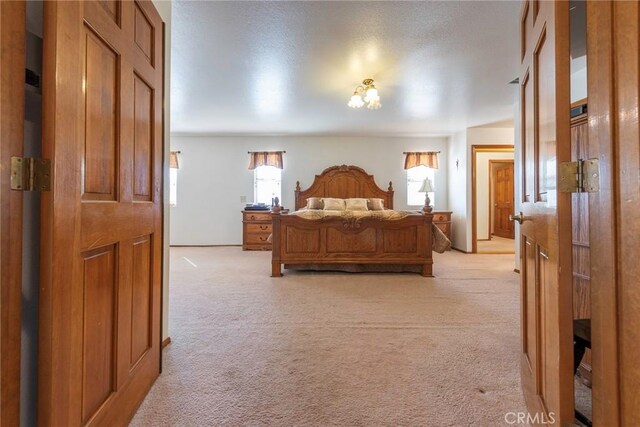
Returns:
<point x="356" y="205"/>
<point x="331" y="204"/>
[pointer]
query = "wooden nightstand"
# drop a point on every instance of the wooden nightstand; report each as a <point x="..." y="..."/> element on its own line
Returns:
<point x="256" y="229"/>
<point x="442" y="220"/>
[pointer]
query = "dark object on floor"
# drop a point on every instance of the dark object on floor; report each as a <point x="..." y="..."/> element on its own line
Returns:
<point x="581" y="342"/>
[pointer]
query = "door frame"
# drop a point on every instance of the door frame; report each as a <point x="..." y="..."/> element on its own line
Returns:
<point x="613" y="225"/>
<point x="12" y="65"/>
<point x="491" y="163"/>
<point x="475" y="149"/>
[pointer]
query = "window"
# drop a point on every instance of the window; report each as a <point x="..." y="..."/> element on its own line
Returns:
<point x="173" y="186"/>
<point x="267" y="184"/>
<point x="415" y="178"/>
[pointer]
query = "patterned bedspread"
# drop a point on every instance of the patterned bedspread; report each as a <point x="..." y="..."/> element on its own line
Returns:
<point x="440" y="241"/>
<point x="319" y="214"/>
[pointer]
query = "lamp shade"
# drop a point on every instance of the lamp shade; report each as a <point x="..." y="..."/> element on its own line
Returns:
<point x="427" y="186"/>
<point x="355" y="101"/>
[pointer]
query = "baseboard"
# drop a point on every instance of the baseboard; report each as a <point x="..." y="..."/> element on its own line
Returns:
<point x="166" y="342"/>
<point x="460" y="250"/>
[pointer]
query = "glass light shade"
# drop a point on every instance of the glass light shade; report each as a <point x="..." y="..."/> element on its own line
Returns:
<point x="355" y="101"/>
<point x="372" y="94"/>
<point x="374" y="104"/>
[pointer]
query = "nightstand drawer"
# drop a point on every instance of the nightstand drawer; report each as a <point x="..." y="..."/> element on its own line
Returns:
<point x="258" y="228"/>
<point x="257" y="216"/>
<point x="437" y="217"/>
<point x="257" y="238"/>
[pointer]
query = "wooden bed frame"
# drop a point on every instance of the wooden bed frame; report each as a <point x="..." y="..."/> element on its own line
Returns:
<point x="356" y="245"/>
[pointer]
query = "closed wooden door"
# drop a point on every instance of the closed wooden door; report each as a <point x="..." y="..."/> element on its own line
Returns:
<point x="502" y="184"/>
<point x="545" y="230"/>
<point x="101" y="234"/>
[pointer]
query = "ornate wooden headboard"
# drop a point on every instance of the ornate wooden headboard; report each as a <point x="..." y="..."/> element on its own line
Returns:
<point x="344" y="182"/>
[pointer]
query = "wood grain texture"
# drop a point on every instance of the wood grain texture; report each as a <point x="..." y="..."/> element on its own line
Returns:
<point x="351" y="244"/>
<point x="344" y="182"/>
<point x="580" y="237"/>
<point x="256" y="229"/>
<point x="12" y="54"/>
<point x="101" y="247"/>
<point x="613" y="87"/>
<point x="547" y="359"/>
<point x="100" y="83"/>
<point x="501" y="199"/>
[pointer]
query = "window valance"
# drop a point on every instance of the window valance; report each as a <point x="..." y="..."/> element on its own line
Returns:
<point x="265" y="158"/>
<point x="428" y="159"/>
<point x="173" y="160"/>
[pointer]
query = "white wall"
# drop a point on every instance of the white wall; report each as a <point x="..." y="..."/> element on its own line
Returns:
<point x="482" y="190"/>
<point x="578" y="78"/>
<point x="458" y="189"/>
<point x="164" y="9"/>
<point x="213" y="176"/>
<point x="459" y="199"/>
<point x="482" y="136"/>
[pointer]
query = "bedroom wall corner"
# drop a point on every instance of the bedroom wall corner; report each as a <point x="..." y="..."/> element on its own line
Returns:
<point x="213" y="176"/>
<point x="457" y="200"/>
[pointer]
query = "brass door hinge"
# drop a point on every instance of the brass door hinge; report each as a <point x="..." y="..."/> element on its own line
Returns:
<point x="581" y="176"/>
<point x="29" y="174"/>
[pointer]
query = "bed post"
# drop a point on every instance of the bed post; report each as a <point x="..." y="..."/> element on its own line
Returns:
<point x="276" y="267"/>
<point x="427" y="267"/>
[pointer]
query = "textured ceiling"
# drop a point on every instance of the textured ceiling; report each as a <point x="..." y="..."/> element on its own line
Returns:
<point x="290" y="67"/>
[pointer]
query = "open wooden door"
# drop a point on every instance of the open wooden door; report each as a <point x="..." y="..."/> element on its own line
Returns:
<point x="12" y="65"/>
<point x="545" y="229"/>
<point x="102" y="220"/>
<point x="502" y="180"/>
<point x="613" y="55"/>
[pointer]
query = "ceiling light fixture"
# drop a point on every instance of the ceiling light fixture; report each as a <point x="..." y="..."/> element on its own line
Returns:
<point x="371" y="97"/>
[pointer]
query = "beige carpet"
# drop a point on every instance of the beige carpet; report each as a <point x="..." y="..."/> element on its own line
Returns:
<point x="497" y="245"/>
<point x="337" y="349"/>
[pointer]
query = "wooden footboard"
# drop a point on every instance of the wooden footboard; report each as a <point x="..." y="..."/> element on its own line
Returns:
<point x="363" y="244"/>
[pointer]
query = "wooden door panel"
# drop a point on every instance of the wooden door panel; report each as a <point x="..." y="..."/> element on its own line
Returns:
<point x="100" y="85"/>
<point x="530" y="309"/>
<point x="545" y="121"/>
<point x="503" y="196"/>
<point x="141" y="299"/>
<point x="144" y="34"/>
<point x="111" y="252"/>
<point x="614" y="132"/>
<point x="98" y="371"/>
<point x="143" y="148"/>
<point x="527" y="139"/>
<point x="112" y="7"/>
<point x="545" y="226"/>
<point x="12" y="103"/>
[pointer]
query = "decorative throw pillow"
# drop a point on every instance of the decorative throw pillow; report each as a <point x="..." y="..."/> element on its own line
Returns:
<point x="331" y="204"/>
<point x="376" y="204"/>
<point x="315" y="203"/>
<point x="356" y="205"/>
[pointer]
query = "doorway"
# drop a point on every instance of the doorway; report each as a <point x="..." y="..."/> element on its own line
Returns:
<point x="493" y="199"/>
